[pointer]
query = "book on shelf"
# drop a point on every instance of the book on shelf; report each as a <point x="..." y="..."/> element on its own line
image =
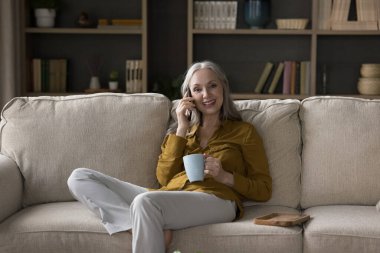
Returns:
<point x="295" y="76"/>
<point x="134" y="74"/>
<point x="215" y="14"/>
<point x="276" y="78"/>
<point x="49" y="75"/>
<point x="340" y="10"/>
<point x="287" y="77"/>
<point x="305" y="77"/>
<point x="367" y="14"/>
<point x="366" y="10"/>
<point x="263" y="77"/>
<point x="354" y="25"/>
<point x="324" y="14"/>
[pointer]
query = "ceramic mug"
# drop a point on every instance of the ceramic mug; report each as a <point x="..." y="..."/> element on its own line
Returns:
<point x="194" y="167"/>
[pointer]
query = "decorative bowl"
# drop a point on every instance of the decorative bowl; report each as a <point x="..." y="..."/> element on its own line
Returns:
<point x="370" y="70"/>
<point x="369" y="86"/>
<point x="292" y="23"/>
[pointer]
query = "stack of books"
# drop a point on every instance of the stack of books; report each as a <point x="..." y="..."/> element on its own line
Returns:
<point x="134" y="76"/>
<point x="215" y="14"/>
<point x="49" y="75"/>
<point x="287" y="77"/>
<point x="334" y="15"/>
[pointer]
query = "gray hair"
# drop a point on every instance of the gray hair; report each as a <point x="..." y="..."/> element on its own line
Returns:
<point x="228" y="110"/>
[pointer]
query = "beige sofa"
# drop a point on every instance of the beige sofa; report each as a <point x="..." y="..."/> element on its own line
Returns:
<point x="324" y="156"/>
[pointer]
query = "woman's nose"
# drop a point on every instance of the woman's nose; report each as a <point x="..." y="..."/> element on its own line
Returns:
<point x="205" y="93"/>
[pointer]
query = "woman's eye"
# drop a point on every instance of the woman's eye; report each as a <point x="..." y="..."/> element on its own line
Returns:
<point x="214" y="85"/>
<point x="196" y="90"/>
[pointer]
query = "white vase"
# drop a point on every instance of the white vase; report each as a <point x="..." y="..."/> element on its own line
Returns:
<point x="113" y="85"/>
<point x="94" y="83"/>
<point x="45" y="17"/>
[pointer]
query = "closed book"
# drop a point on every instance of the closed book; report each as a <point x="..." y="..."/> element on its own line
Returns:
<point x="354" y="25"/>
<point x="303" y="78"/>
<point x="276" y="78"/>
<point x="366" y="10"/>
<point x="340" y="10"/>
<point x="263" y="77"/>
<point x="293" y="78"/>
<point x="324" y="14"/>
<point x="286" y="80"/>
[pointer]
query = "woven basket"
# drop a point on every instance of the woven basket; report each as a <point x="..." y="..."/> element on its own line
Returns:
<point x="370" y="70"/>
<point x="369" y="86"/>
<point x="292" y="23"/>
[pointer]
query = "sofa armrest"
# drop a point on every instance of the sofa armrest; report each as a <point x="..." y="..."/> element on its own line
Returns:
<point x="10" y="187"/>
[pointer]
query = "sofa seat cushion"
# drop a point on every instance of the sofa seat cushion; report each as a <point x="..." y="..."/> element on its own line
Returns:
<point x="117" y="134"/>
<point x="241" y="236"/>
<point x="60" y="228"/>
<point x="342" y="229"/>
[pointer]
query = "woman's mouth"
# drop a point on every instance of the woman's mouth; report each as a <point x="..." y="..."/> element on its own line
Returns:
<point x="209" y="102"/>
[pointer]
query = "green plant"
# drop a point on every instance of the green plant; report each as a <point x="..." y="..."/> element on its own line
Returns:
<point x="45" y="4"/>
<point x="114" y="75"/>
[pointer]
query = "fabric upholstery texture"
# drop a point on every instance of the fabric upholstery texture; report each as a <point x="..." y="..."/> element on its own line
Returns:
<point x="117" y="134"/>
<point x="242" y="236"/>
<point x="343" y="228"/>
<point x="277" y="123"/>
<point x="341" y="143"/>
<point x="120" y="135"/>
<point x="59" y="227"/>
<point x="10" y="187"/>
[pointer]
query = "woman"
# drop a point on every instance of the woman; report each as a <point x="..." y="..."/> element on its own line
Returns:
<point x="236" y="168"/>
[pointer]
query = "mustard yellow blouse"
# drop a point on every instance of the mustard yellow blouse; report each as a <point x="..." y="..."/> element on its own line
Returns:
<point x="241" y="152"/>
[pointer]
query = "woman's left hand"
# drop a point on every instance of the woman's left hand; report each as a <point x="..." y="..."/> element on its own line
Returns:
<point x="213" y="167"/>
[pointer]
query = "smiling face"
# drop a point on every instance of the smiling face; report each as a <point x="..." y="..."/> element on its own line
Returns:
<point x="207" y="91"/>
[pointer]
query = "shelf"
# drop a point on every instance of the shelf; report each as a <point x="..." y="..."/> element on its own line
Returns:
<point x="253" y="32"/>
<point x="108" y="47"/>
<point x="243" y="52"/>
<point x="348" y="33"/>
<point x="83" y="31"/>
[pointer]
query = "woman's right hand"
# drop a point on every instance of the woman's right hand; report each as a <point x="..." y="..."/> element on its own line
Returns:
<point x="186" y="104"/>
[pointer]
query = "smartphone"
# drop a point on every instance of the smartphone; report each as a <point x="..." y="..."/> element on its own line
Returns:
<point x="188" y="112"/>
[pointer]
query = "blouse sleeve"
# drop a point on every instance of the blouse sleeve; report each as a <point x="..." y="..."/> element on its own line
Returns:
<point x="170" y="160"/>
<point x="257" y="183"/>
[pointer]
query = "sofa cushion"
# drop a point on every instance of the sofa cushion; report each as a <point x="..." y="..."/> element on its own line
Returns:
<point x="277" y="123"/>
<point x="61" y="228"/>
<point x="241" y="236"/>
<point x="117" y="134"/>
<point x="71" y="227"/>
<point x="348" y="229"/>
<point x="341" y="143"/>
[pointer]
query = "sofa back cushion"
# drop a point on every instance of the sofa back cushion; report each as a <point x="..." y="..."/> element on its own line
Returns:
<point x="117" y="134"/>
<point x="277" y="123"/>
<point x="341" y="144"/>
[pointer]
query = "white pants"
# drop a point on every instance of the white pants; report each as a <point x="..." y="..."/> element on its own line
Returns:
<point x="122" y="206"/>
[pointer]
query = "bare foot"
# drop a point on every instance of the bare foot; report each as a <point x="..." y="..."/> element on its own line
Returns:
<point x="168" y="235"/>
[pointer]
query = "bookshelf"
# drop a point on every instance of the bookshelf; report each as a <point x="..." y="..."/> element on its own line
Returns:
<point x="243" y="52"/>
<point x="80" y="45"/>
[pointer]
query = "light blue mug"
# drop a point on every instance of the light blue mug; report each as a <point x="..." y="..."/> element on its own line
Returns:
<point x="194" y="166"/>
